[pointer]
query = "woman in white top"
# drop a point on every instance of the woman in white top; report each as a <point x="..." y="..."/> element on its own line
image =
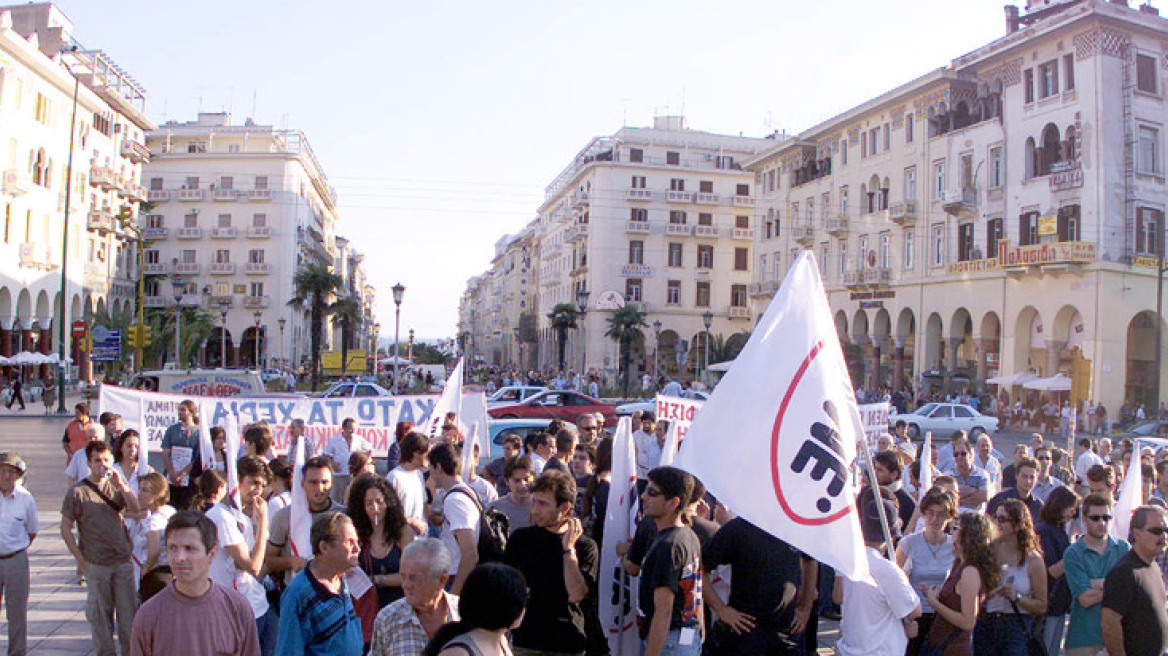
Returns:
<point x="1002" y="628"/>
<point x="126" y="458"/>
<point x="927" y="556"/>
<point x="147" y="533"/>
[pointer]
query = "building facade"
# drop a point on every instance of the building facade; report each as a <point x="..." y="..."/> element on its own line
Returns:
<point x="1003" y="215"/>
<point x="236" y="209"/>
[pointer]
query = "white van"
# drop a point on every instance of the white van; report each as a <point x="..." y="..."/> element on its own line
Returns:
<point x="200" y="382"/>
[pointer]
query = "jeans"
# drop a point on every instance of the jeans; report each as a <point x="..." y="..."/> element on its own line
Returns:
<point x="266" y="626"/>
<point x="110" y="592"/>
<point x="1000" y="634"/>
<point x="673" y="646"/>
<point x="1052" y="633"/>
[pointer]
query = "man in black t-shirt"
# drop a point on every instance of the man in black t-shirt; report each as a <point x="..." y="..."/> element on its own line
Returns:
<point x="670" y="613"/>
<point x="1134" y="620"/>
<point x="768" y="578"/>
<point x="560" y="566"/>
<point x="888" y="470"/>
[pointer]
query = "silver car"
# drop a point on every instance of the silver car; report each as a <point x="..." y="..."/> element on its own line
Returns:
<point x="943" y="419"/>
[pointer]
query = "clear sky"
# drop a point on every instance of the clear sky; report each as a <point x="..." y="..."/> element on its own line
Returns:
<point x="440" y="123"/>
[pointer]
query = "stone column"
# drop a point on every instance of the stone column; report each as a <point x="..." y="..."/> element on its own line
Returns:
<point x="898" y="363"/>
<point x="860" y="341"/>
<point x="877" y="345"/>
<point x="985" y="345"/>
<point x="952" y="343"/>
<point x="45" y="340"/>
<point x="1053" y="348"/>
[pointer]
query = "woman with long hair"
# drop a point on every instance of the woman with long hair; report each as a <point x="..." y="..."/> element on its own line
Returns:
<point x="126" y="459"/>
<point x="595" y="503"/>
<point x="956" y="603"/>
<point x="491" y="604"/>
<point x="380" y="521"/>
<point x="151" y="569"/>
<point x="927" y="556"/>
<point x="1002" y="628"/>
<point x="1062" y="505"/>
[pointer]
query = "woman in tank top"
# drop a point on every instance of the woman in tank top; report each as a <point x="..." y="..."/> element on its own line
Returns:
<point x="1003" y="625"/>
<point x="491" y="604"/>
<point x="927" y="556"/>
<point x="956" y="603"/>
<point x="383" y="533"/>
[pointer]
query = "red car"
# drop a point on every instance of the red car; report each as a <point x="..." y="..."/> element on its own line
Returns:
<point x="554" y="404"/>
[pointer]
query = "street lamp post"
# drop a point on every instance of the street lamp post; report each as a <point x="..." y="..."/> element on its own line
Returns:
<point x="376" y="348"/>
<point x="707" y="320"/>
<point x="410" y="350"/>
<point x="179" y="288"/>
<point x="223" y="335"/>
<point x="65" y="246"/>
<point x="582" y="306"/>
<point x="258" y="317"/>
<point x="283" y="356"/>
<point x="398" y="290"/>
<point x="657" y="348"/>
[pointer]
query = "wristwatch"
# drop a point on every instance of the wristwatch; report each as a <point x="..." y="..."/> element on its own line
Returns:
<point x="1017" y="597"/>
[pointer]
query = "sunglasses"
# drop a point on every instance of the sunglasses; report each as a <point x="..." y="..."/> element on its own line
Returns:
<point x="1156" y="530"/>
<point x="960" y="454"/>
<point x="653" y="492"/>
<point x="1099" y="518"/>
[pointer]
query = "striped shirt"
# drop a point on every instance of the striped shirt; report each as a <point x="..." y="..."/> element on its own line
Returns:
<point x="313" y="620"/>
<point x="397" y="631"/>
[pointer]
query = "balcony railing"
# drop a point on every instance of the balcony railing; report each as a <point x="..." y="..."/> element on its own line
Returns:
<point x="135" y="152"/>
<point x="157" y="301"/>
<point x="190" y="194"/>
<point x="637" y="227"/>
<point x="222" y="268"/>
<point x="707" y="199"/>
<point x="189" y="233"/>
<point x="259" y="194"/>
<point x="960" y="201"/>
<point x="576" y="232"/>
<point x="739" y="312"/>
<point x="156" y="269"/>
<point x="226" y="232"/>
<point x="100" y="220"/>
<point x="640" y="194"/>
<point x="158" y="195"/>
<point x="225" y="301"/>
<point x="259" y="232"/>
<point x="678" y="229"/>
<point x="101" y="176"/>
<point x="837" y="226"/>
<point x="255" y="302"/>
<point x="186" y="268"/>
<point x="16" y="182"/>
<point x="155" y="233"/>
<point x="225" y="195"/>
<point x="744" y="201"/>
<point x="706" y="231"/>
<point x="257" y="268"/>
<point x="853" y="279"/>
<point x="803" y="234"/>
<point x="745" y="234"/>
<point x="765" y="288"/>
<point x="679" y="196"/>
<point x="877" y="276"/>
<point x="903" y="213"/>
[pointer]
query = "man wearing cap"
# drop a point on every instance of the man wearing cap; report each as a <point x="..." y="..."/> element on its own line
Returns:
<point x="18" y="528"/>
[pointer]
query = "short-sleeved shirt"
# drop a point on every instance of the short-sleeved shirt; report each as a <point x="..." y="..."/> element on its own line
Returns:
<point x="977" y="480"/>
<point x="219" y="622"/>
<point x="871" y="624"/>
<point x="397" y="631"/>
<point x="339" y="450"/>
<point x="1134" y="589"/>
<point x="518" y="514"/>
<point x="459" y="511"/>
<point x="76" y="436"/>
<point x="411" y="491"/>
<point x="103" y="535"/>
<point x="177" y="436"/>
<point x="1080" y="565"/>
<point x="673" y="561"/>
<point x="155" y="522"/>
<point x="551" y="623"/>
<point x="18" y="520"/>
<point x="234" y="528"/>
<point x="765" y="573"/>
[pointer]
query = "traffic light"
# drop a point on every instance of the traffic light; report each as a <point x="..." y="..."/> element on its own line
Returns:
<point x="133" y="331"/>
<point x="147" y="334"/>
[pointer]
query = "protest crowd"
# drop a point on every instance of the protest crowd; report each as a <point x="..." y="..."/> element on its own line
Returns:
<point x="450" y="555"/>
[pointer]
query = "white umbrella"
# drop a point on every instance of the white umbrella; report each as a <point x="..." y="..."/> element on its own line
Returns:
<point x="1056" y="383"/>
<point x="26" y="358"/>
<point x="1011" y="380"/>
<point x="722" y="366"/>
<point x="390" y="360"/>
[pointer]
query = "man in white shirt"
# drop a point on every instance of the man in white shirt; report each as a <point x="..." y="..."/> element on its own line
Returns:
<point x="987" y="461"/>
<point x="460" y="513"/>
<point x="338" y="449"/>
<point x="18" y="528"/>
<point x="408" y="481"/>
<point x="543" y="447"/>
<point x="296" y="432"/>
<point x="78" y="466"/>
<point x="642" y="436"/>
<point x="1085" y="460"/>
<point x="649" y="453"/>
<point x="672" y="388"/>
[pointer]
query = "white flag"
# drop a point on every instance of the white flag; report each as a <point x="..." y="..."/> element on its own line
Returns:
<point x="1131" y="491"/>
<point x="450" y="401"/>
<point x="299" y="516"/>
<point x="618" y="590"/>
<point x="669" y="449"/>
<point x="231" y="428"/>
<point x="143" y="440"/>
<point x="206" y="446"/>
<point x="777" y="438"/>
<point x="926" y="476"/>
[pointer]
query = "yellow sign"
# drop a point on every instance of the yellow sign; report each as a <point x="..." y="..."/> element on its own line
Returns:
<point x="1047" y="225"/>
<point x="1148" y="262"/>
<point x="1061" y="252"/>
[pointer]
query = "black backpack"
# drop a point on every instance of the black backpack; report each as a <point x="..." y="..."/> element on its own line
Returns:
<point x="494" y="527"/>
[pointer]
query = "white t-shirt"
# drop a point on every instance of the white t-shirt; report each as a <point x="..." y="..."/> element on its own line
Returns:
<point x="155" y="522"/>
<point x="411" y="491"/>
<point x="78" y="466"/>
<point x="458" y="512"/>
<point x="234" y="527"/>
<point x="538" y="463"/>
<point x="339" y="450"/>
<point x="871" y="623"/>
<point x="487" y="492"/>
<point x="1087" y="460"/>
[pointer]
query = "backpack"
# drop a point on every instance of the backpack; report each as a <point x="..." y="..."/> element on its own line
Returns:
<point x="494" y="527"/>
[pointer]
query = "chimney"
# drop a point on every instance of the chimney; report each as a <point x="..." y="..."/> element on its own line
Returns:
<point x="1147" y="8"/>
<point x="1011" y="19"/>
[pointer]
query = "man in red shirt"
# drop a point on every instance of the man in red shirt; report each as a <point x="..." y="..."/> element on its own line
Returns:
<point x="75" y="437"/>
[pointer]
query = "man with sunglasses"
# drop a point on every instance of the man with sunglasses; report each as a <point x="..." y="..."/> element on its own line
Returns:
<point x="1045" y="483"/>
<point x="1087" y="563"/>
<point x="972" y="483"/>
<point x="1134" y="619"/>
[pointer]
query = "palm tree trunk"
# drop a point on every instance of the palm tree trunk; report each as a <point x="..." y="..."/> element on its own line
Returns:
<point x="562" y="334"/>
<point x="344" y="349"/>
<point x="626" y="358"/>
<point x="317" y="330"/>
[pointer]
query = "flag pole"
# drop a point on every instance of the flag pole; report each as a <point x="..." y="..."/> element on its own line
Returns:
<point x="871" y="471"/>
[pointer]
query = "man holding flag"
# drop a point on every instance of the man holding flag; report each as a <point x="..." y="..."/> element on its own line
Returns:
<point x="316" y="483"/>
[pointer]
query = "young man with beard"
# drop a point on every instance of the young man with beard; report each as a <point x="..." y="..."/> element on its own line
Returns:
<point x="560" y="566"/>
<point x="1025" y="477"/>
<point x="670" y="613"/>
<point x="317" y="484"/>
<point x="1086" y="564"/>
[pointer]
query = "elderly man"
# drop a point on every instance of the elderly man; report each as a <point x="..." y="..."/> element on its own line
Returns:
<point x="589" y="428"/>
<point x="18" y="528"/>
<point x="316" y="611"/>
<point x="972" y="483"/>
<point x="405" y="626"/>
<point x="988" y="460"/>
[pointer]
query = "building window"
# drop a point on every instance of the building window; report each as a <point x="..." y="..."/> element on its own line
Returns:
<point x="742" y="222"/>
<point x="702" y="297"/>
<point x="196" y="146"/>
<point x="741" y="259"/>
<point x="190" y="220"/>
<point x="994" y="229"/>
<point x="843" y="151"/>
<point x="910" y="183"/>
<point x="909" y="248"/>
<point x="155" y="184"/>
<point x="677" y="217"/>
<point x="705" y="256"/>
<point x="1069" y="72"/>
<point x="222" y="256"/>
<point x="673" y="158"/>
<point x="1028" y="228"/>
<point x="938" y="180"/>
<point x="1149" y="224"/>
<point x="259" y="220"/>
<point x="842" y="261"/>
<point x="885" y="250"/>
<point x="862" y="253"/>
<point x="1146" y="74"/>
<point x="1068" y="223"/>
<point x="844" y="201"/>
<point x="151" y="256"/>
<point x="706" y="186"/>
<point x="762" y="266"/>
<point x="738" y="296"/>
<point x="823" y="255"/>
<point x="638" y="182"/>
<point x="675" y="257"/>
<point x="192" y="182"/>
<point x="1028" y="85"/>
<point x="189" y="257"/>
<point x="742" y="190"/>
<point x="636" y="252"/>
<point x="256" y="256"/>
<point x="261" y="182"/>
<point x="995" y="172"/>
<point x="705" y="219"/>
<point x="223" y="221"/>
<point x="636" y="155"/>
<point x="673" y="292"/>
<point x="226" y="182"/>
<point x="938" y="245"/>
<point x="1149" y="150"/>
<point x="1048" y="79"/>
<point x="638" y="214"/>
<point x="677" y="184"/>
<point x="633" y="290"/>
<point x="256" y="289"/>
<point x="155" y="221"/>
<point x="965" y="242"/>
<point x="908" y="127"/>
<point x="887" y="137"/>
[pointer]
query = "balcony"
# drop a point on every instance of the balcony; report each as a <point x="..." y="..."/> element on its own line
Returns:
<point x="222" y="268"/>
<point x="706" y="231"/>
<point x="227" y="232"/>
<point x="904" y="214"/>
<point x="259" y="232"/>
<point x="707" y="199"/>
<point x="155" y="233"/>
<point x="187" y="268"/>
<point x="224" y="302"/>
<point x="136" y="192"/>
<point x="579" y="270"/>
<point x="101" y="176"/>
<point x="158" y="301"/>
<point x="837" y="226"/>
<point x="100" y="220"/>
<point x="640" y="194"/>
<point x="135" y="152"/>
<point x="580" y="199"/>
<point x="16" y="182"/>
<point x="737" y="312"/>
<point x="803" y="234"/>
<point x="679" y="196"/>
<point x="155" y="269"/>
<point x="158" y="195"/>
<point x="853" y="280"/>
<point x="764" y="288"/>
<point x="229" y="195"/>
<point x="190" y="194"/>
<point x="678" y="229"/>
<point x="124" y="186"/>
<point x="637" y="227"/>
<point x="743" y="234"/>
<point x="257" y="268"/>
<point x="189" y="233"/>
<point x="575" y="232"/>
<point x="259" y="194"/>
<point x="255" y="302"/>
<point x="877" y="276"/>
<point x="744" y="201"/>
<point x="960" y="201"/>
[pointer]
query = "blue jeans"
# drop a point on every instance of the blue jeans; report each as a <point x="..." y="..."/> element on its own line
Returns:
<point x="1000" y="634"/>
<point x="1052" y="633"/>
<point x="673" y="646"/>
<point x="267" y="626"/>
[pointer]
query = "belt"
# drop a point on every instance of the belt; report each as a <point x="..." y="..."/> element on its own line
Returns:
<point x="14" y="553"/>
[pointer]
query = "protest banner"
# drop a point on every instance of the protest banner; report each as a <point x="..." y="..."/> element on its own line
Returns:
<point x="448" y="401"/>
<point x="874" y="416"/>
<point x="618" y="590"/>
<point x="677" y="411"/>
<point x="789" y="404"/>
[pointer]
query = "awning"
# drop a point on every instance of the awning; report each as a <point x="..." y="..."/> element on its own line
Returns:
<point x="1056" y="383"/>
<point x="1011" y="380"/>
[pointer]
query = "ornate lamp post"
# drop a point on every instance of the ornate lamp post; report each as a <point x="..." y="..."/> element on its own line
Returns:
<point x="283" y="357"/>
<point x="657" y="347"/>
<point x="398" y="290"/>
<point x="707" y="321"/>
<point x="223" y="305"/>
<point x="582" y="306"/>
<point x="179" y="287"/>
<point x="258" y="317"/>
<point x="518" y="347"/>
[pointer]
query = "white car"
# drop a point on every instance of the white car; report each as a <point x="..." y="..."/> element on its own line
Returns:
<point x="651" y="405"/>
<point x="943" y="419"/>
<point x="345" y="390"/>
<point x="513" y="394"/>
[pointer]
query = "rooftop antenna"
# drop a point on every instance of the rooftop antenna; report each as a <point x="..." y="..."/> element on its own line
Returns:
<point x="682" y="113"/>
<point x="254" y="93"/>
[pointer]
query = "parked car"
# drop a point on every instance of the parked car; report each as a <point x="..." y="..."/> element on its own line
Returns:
<point x="650" y="405"/>
<point x="554" y="404"/>
<point x="945" y="418"/>
<point x="345" y="390"/>
<point x="499" y="428"/>
<point x="1150" y="428"/>
<point x="514" y="394"/>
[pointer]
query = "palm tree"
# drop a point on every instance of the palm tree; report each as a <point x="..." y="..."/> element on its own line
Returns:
<point x="624" y="327"/>
<point x="346" y="317"/>
<point x="563" y="318"/>
<point x="197" y="327"/>
<point x="315" y="283"/>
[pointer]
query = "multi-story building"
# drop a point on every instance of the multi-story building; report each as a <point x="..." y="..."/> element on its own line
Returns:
<point x="502" y="328"/>
<point x="659" y="217"/>
<point x="236" y="209"/>
<point x="53" y="195"/>
<point x="354" y="284"/>
<point x="1002" y="215"/>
